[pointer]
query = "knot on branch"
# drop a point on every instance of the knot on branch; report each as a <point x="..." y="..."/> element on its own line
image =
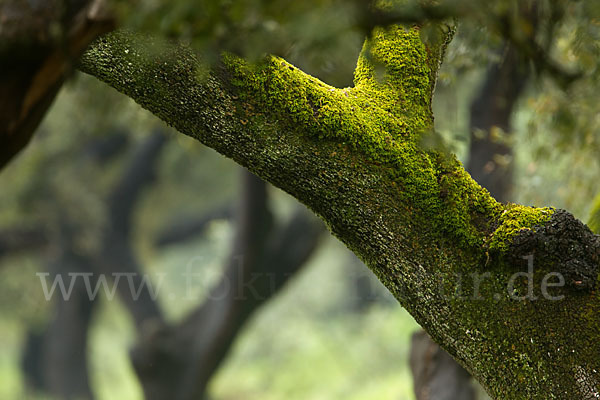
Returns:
<point x="563" y="244"/>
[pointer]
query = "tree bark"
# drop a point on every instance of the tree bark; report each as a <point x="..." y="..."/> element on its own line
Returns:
<point x="412" y="214"/>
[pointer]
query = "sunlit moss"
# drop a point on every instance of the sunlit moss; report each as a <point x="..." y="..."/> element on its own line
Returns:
<point x="514" y="219"/>
<point x="383" y="117"/>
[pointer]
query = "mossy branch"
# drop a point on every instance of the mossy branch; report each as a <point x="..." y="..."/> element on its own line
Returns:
<point x="412" y="214"/>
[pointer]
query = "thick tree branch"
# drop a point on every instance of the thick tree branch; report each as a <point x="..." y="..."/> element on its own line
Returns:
<point x="435" y="374"/>
<point x="413" y="215"/>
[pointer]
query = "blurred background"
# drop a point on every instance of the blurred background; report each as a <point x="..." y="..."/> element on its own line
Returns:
<point x="238" y="291"/>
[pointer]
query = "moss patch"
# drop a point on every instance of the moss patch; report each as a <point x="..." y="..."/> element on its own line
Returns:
<point x="399" y="76"/>
<point x="384" y="117"/>
<point x="514" y="220"/>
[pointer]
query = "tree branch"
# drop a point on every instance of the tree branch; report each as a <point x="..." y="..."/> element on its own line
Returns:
<point x="413" y="215"/>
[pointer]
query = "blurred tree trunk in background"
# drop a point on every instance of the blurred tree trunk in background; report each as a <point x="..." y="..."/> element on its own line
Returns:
<point x="490" y="152"/>
<point x="436" y="375"/>
<point x="264" y="255"/>
<point x="55" y="360"/>
<point x="177" y="361"/>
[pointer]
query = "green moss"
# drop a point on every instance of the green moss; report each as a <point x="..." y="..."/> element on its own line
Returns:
<point x="384" y="117"/>
<point x="399" y="76"/>
<point x="513" y="220"/>
<point x="467" y="208"/>
<point x="377" y="110"/>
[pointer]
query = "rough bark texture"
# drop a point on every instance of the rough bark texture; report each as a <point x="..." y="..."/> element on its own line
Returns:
<point x="413" y="215"/>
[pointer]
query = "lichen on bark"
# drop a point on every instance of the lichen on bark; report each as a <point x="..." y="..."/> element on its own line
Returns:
<point x="413" y="214"/>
